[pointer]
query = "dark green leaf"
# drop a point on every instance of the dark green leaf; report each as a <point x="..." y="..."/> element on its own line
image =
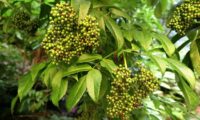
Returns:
<point x="76" y="93"/>
<point x="116" y="31"/>
<point x="88" y="58"/>
<point x="13" y="103"/>
<point x="94" y="79"/>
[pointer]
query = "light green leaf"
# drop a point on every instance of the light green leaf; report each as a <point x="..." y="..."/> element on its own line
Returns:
<point x="166" y="43"/>
<point x="143" y="37"/>
<point x="76" y="93"/>
<point x="63" y="88"/>
<point x="84" y="9"/>
<point x="76" y="69"/>
<point x="116" y="32"/>
<point x="76" y="3"/>
<point x="108" y="64"/>
<point x="192" y="99"/>
<point x="161" y="63"/>
<point x="56" y="84"/>
<point x="120" y="13"/>
<point x="101" y="23"/>
<point x="195" y="55"/>
<point x="94" y="79"/>
<point x="13" y="103"/>
<point x="36" y="69"/>
<point x="24" y="85"/>
<point x="88" y="58"/>
<point x="48" y="74"/>
<point x="183" y="70"/>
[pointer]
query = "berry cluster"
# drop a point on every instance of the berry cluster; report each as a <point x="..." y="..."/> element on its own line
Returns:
<point x="128" y="88"/>
<point x="22" y="21"/>
<point x="66" y="38"/>
<point x="185" y="16"/>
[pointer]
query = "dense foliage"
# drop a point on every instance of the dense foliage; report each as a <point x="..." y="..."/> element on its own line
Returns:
<point x="99" y="59"/>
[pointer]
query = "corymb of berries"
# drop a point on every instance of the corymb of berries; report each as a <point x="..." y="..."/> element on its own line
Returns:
<point x="128" y="89"/>
<point x="185" y="16"/>
<point x="66" y="38"/>
<point x="22" y="21"/>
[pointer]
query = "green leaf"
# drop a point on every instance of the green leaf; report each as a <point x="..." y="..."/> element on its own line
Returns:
<point x="63" y="88"/>
<point x="120" y="13"/>
<point x="88" y="58"/>
<point x="143" y="37"/>
<point x="36" y="69"/>
<point x="76" y="3"/>
<point x="192" y="99"/>
<point x="56" y="86"/>
<point x="166" y="43"/>
<point x="161" y="63"/>
<point x="13" y="103"/>
<point x="24" y="85"/>
<point x="84" y="9"/>
<point x="94" y="79"/>
<point x="104" y="85"/>
<point x="76" y="93"/>
<point x="48" y="74"/>
<point x="195" y="55"/>
<point x="161" y="7"/>
<point x="183" y="70"/>
<point x="76" y="69"/>
<point x="108" y="64"/>
<point x="116" y="32"/>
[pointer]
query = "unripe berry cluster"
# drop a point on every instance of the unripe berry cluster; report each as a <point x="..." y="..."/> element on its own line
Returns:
<point x="22" y="21"/>
<point x="128" y="88"/>
<point x="185" y="16"/>
<point x="66" y="38"/>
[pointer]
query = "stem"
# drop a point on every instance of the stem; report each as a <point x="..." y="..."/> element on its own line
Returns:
<point x="125" y="62"/>
<point x="109" y="54"/>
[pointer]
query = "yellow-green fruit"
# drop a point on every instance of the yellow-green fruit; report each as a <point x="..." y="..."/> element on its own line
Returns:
<point x="65" y="38"/>
<point x="185" y="16"/>
<point x="128" y="91"/>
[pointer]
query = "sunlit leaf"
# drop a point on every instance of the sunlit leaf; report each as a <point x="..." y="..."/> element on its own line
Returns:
<point x="120" y="13"/>
<point x="88" y="58"/>
<point x="76" y="69"/>
<point x="166" y="43"/>
<point x="94" y="79"/>
<point x="108" y="64"/>
<point x="49" y="74"/>
<point x="195" y="55"/>
<point x="183" y="70"/>
<point x="84" y="9"/>
<point x="191" y="98"/>
<point x="36" y="69"/>
<point x="24" y="85"/>
<point x="56" y="84"/>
